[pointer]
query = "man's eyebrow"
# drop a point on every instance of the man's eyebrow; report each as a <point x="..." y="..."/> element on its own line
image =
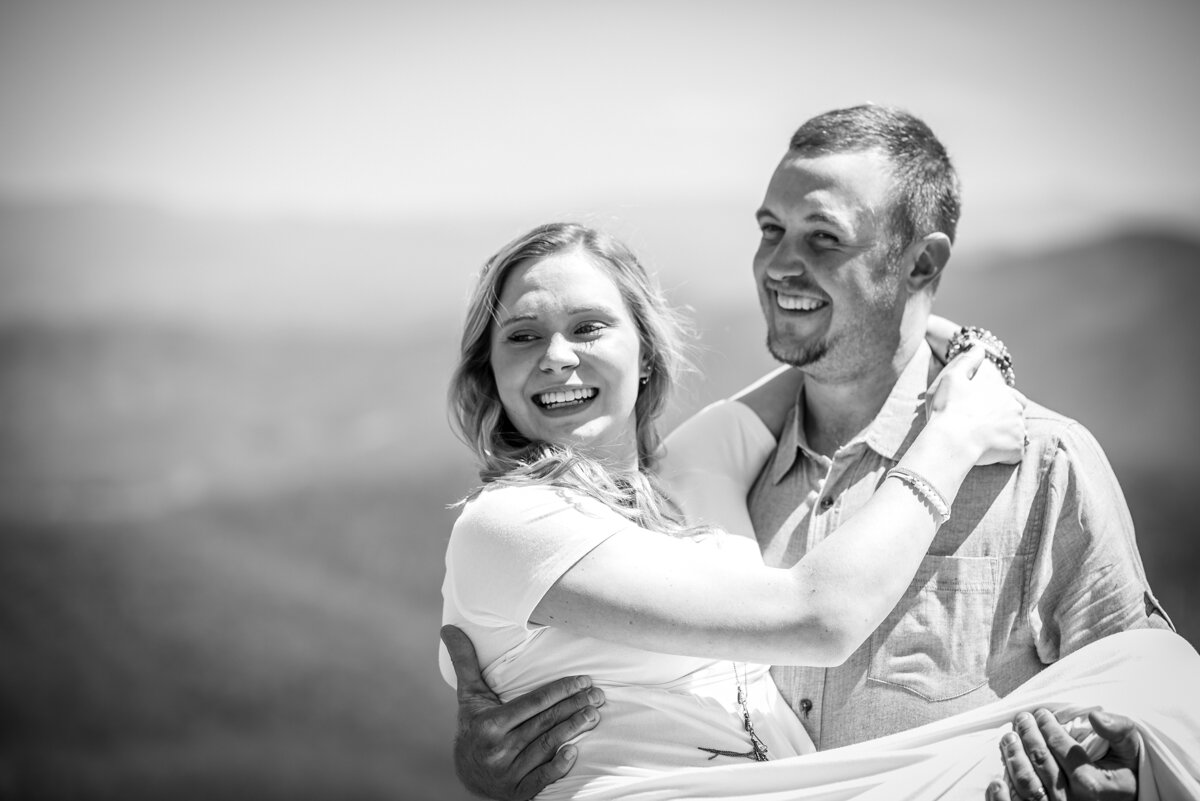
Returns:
<point x="813" y="217"/>
<point x="822" y="217"/>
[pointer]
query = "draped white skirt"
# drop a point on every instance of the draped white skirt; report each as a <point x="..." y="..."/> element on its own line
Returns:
<point x="1148" y="675"/>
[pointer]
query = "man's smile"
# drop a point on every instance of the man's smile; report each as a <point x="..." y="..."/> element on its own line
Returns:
<point x="797" y="299"/>
<point x="799" y="302"/>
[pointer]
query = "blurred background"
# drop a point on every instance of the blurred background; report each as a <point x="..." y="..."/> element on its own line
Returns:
<point x="236" y="240"/>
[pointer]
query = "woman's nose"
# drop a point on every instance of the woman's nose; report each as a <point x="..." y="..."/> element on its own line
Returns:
<point x="559" y="354"/>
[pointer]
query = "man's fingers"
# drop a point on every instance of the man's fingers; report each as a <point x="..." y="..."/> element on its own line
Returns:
<point x="1068" y="752"/>
<point x="1030" y="767"/>
<point x="528" y="706"/>
<point x="466" y="664"/>
<point x="537" y="780"/>
<point x="1124" y="744"/>
<point x="546" y="745"/>
<point x="998" y="791"/>
<point x="1038" y="754"/>
<point x="570" y="706"/>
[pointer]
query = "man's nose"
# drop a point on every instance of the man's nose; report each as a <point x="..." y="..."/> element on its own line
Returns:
<point x="559" y="354"/>
<point x="784" y="262"/>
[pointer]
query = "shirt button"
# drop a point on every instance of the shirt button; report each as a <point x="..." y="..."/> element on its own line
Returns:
<point x="826" y="502"/>
<point x="805" y="706"/>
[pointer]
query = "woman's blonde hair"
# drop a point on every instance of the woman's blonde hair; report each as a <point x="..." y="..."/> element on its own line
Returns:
<point x="478" y="417"/>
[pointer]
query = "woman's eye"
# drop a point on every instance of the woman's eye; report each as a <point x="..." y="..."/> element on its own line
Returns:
<point x="592" y="327"/>
<point x="823" y="239"/>
<point x="521" y="336"/>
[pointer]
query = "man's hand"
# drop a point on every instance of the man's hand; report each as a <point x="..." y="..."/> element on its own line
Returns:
<point x="510" y="752"/>
<point x="1043" y="761"/>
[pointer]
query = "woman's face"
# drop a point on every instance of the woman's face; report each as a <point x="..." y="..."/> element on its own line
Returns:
<point x="566" y="357"/>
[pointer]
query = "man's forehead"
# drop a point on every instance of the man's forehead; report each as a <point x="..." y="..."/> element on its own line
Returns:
<point x="848" y="186"/>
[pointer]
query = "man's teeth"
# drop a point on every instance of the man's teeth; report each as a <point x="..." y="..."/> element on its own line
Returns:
<point x="796" y="303"/>
<point x="560" y="396"/>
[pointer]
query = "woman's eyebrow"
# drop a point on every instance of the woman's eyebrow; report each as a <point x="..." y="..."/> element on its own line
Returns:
<point x="597" y="308"/>
<point x="501" y="322"/>
<point x="573" y="311"/>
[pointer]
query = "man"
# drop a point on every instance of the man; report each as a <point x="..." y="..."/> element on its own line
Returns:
<point x="1037" y="560"/>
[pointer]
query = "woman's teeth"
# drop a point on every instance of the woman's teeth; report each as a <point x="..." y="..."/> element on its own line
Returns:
<point x="561" y="397"/>
<point x="794" y="303"/>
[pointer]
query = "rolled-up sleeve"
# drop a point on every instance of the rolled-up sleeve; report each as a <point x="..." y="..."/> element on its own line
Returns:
<point x="1086" y="580"/>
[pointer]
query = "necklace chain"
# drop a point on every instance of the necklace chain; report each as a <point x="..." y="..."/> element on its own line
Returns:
<point x="758" y="749"/>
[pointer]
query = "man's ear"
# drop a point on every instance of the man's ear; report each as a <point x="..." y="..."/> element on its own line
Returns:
<point x="927" y="257"/>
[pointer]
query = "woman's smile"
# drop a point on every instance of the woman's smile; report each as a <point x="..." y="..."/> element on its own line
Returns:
<point x="568" y="399"/>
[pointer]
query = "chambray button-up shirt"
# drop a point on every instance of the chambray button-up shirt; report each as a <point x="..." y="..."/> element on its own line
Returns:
<point x="1037" y="560"/>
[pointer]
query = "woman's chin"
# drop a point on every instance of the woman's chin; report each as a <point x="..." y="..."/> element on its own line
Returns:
<point x="599" y="443"/>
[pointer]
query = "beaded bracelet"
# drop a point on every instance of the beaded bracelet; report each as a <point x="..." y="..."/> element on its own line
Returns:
<point x="924" y="489"/>
<point x="993" y="348"/>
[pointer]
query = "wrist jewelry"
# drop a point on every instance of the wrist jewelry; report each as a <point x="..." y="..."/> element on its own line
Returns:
<point x="993" y="348"/>
<point x="925" y="490"/>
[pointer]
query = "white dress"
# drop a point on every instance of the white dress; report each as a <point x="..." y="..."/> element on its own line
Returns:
<point x="511" y="544"/>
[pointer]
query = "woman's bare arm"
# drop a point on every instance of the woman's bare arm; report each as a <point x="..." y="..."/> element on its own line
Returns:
<point x="658" y="593"/>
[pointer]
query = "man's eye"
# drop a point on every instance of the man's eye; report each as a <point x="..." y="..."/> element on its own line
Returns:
<point x="771" y="232"/>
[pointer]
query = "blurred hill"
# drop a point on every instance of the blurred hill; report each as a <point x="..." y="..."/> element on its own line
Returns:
<point x="222" y="498"/>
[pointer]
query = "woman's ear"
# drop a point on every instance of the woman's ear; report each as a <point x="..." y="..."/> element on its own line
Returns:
<point x="927" y="258"/>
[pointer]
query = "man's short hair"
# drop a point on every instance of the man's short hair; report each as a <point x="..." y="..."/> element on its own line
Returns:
<point x="925" y="197"/>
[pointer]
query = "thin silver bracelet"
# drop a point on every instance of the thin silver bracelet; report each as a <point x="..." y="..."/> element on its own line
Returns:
<point x="924" y="489"/>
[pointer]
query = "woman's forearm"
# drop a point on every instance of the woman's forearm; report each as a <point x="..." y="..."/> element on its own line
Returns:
<point x="852" y="579"/>
<point x="651" y="591"/>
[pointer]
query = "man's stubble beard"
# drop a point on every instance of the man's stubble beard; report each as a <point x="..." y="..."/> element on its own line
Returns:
<point x="797" y="355"/>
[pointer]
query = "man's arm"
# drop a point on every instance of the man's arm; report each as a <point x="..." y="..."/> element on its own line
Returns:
<point x="510" y="752"/>
<point x="1089" y="582"/>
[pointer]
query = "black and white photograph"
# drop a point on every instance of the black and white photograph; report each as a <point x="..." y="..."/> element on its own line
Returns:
<point x="665" y="400"/>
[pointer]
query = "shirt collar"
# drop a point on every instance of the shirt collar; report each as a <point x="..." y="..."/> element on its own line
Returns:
<point x="791" y="442"/>
<point x="903" y="414"/>
<point x="889" y="434"/>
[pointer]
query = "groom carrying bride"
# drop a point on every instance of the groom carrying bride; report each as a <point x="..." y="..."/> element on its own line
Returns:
<point x="1037" y="560"/>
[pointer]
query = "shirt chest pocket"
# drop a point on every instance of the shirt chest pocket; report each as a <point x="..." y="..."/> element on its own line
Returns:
<point x="935" y="643"/>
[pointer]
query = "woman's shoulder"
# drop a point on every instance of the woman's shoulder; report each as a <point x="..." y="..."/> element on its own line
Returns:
<point x="512" y="503"/>
<point x="528" y="523"/>
<point x="499" y="498"/>
<point x="727" y="429"/>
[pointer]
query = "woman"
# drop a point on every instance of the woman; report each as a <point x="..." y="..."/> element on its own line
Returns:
<point x="572" y="560"/>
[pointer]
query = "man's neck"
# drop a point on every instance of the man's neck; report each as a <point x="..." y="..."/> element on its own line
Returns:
<point x="836" y="411"/>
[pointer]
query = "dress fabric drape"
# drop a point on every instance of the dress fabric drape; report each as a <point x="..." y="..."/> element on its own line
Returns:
<point x="1148" y="675"/>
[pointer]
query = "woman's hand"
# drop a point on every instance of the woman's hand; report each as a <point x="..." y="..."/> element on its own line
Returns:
<point x="970" y="401"/>
<point x="938" y="331"/>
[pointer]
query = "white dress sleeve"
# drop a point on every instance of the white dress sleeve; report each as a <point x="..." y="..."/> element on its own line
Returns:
<point x="711" y="461"/>
<point x="511" y="544"/>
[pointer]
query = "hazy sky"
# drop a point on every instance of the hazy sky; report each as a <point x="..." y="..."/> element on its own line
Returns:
<point x="1058" y="114"/>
